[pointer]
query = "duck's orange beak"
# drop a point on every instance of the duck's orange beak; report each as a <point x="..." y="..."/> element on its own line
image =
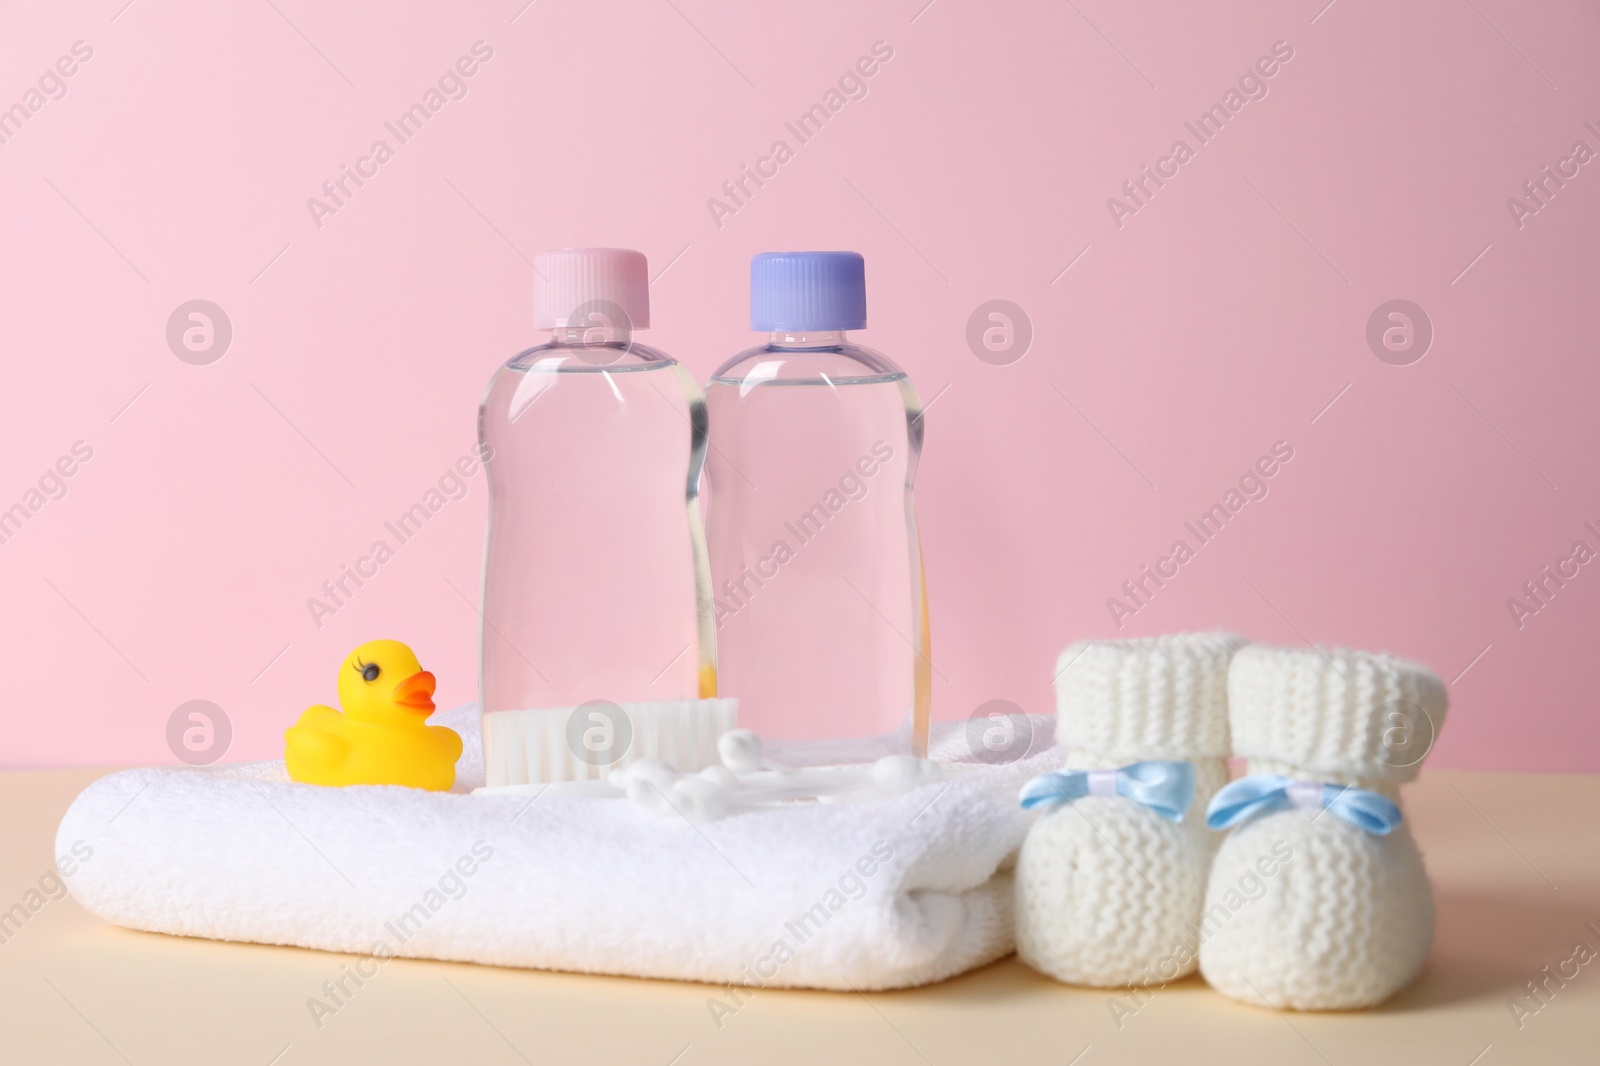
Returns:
<point x="416" y="692"/>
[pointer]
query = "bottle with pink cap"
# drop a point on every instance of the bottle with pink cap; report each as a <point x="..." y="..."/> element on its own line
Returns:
<point x="596" y="582"/>
<point x="820" y="604"/>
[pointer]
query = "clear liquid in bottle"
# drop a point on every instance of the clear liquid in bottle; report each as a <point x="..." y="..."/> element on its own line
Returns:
<point x="820" y="602"/>
<point x="595" y="571"/>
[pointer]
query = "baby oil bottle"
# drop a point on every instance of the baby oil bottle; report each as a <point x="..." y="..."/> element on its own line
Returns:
<point x="595" y="581"/>
<point x="820" y="603"/>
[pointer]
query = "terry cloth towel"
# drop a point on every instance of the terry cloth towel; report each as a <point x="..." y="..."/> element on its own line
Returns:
<point x="893" y="894"/>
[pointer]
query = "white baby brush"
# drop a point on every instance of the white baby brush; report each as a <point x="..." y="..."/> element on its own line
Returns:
<point x="587" y="742"/>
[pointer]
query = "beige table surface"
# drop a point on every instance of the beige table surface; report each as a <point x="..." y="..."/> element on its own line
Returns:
<point x="1515" y="861"/>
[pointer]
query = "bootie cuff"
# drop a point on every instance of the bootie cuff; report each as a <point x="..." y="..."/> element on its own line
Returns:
<point x="1334" y="714"/>
<point x="1146" y="698"/>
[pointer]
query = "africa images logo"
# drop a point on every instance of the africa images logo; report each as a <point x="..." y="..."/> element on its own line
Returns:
<point x="1252" y="86"/>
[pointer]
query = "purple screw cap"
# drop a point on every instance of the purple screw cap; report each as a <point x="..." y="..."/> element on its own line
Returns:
<point x="807" y="292"/>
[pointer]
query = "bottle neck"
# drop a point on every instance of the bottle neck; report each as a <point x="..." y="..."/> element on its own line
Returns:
<point x="590" y="336"/>
<point x="825" y="338"/>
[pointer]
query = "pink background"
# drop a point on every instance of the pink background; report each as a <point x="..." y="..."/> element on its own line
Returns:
<point x="1222" y="317"/>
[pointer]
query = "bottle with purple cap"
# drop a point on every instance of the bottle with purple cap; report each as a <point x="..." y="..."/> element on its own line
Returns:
<point x="820" y="603"/>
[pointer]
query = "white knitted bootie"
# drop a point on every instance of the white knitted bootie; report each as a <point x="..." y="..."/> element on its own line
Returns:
<point x="1109" y="885"/>
<point x="1318" y="900"/>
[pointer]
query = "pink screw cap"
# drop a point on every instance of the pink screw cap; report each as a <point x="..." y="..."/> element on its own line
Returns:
<point x="581" y="287"/>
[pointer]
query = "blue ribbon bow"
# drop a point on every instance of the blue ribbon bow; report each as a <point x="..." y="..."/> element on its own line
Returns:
<point x="1260" y="793"/>
<point x="1166" y="787"/>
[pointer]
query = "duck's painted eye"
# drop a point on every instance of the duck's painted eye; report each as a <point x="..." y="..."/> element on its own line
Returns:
<point x="370" y="672"/>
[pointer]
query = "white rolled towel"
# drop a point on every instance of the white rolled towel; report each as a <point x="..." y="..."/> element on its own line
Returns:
<point x="1108" y="889"/>
<point x="1318" y="900"/>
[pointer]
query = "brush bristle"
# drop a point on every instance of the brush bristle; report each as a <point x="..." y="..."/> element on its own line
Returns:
<point x="537" y="746"/>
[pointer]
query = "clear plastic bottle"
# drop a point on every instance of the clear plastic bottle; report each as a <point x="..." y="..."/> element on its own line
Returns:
<point x="820" y="601"/>
<point x="595" y="581"/>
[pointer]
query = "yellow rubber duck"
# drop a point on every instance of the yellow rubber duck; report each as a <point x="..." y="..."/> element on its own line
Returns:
<point x="381" y="738"/>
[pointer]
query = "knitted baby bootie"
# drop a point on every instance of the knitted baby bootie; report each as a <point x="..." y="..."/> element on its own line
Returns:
<point x="1109" y="883"/>
<point x="1318" y="899"/>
